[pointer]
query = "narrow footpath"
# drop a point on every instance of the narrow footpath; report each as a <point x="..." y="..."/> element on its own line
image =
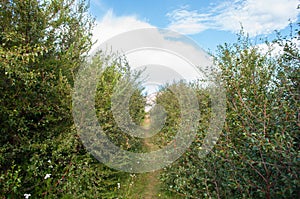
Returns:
<point x="147" y="185"/>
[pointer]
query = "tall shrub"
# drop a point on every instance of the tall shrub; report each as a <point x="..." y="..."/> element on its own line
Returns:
<point x="257" y="155"/>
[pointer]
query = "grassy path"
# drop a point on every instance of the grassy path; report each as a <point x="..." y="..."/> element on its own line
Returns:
<point x="147" y="185"/>
<point x="152" y="187"/>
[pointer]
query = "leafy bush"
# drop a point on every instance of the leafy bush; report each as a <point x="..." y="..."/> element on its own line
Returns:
<point x="41" y="151"/>
<point x="257" y="155"/>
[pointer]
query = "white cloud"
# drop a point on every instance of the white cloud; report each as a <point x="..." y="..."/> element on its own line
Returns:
<point x="111" y="25"/>
<point x="256" y="16"/>
<point x="98" y="3"/>
<point x="166" y="56"/>
<point x="274" y="49"/>
<point x="189" y="22"/>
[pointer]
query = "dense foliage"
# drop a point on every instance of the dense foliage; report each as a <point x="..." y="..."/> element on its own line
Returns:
<point x="257" y="155"/>
<point x="43" y="44"/>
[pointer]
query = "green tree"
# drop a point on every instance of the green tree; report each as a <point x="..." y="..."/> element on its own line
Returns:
<point x="257" y="155"/>
<point x="42" y="44"/>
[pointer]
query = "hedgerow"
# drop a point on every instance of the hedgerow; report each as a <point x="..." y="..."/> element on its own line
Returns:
<point x="257" y="155"/>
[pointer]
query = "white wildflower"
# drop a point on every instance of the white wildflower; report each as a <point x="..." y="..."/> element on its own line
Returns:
<point x="132" y="175"/>
<point x="119" y="185"/>
<point x="27" y="195"/>
<point x="49" y="161"/>
<point x="47" y="176"/>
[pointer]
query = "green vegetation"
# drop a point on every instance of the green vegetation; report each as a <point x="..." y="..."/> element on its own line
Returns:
<point x="257" y="155"/>
<point x="40" y="52"/>
<point x="42" y="46"/>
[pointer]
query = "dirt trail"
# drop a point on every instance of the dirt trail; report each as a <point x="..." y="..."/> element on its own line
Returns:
<point x="152" y="188"/>
<point x="152" y="183"/>
<point x="147" y="185"/>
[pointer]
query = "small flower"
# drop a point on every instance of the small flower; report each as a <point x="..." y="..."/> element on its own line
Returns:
<point x="132" y="175"/>
<point x="47" y="176"/>
<point x="49" y="161"/>
<point x="119" y="185"/>
<point x="50" y="166"/>
<point x="27" y="195"/>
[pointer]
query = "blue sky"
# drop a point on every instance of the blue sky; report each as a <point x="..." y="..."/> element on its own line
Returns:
<point x="208" y="22"/>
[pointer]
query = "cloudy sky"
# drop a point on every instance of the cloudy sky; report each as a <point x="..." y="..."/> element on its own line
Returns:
<point x="208" y="22"/>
